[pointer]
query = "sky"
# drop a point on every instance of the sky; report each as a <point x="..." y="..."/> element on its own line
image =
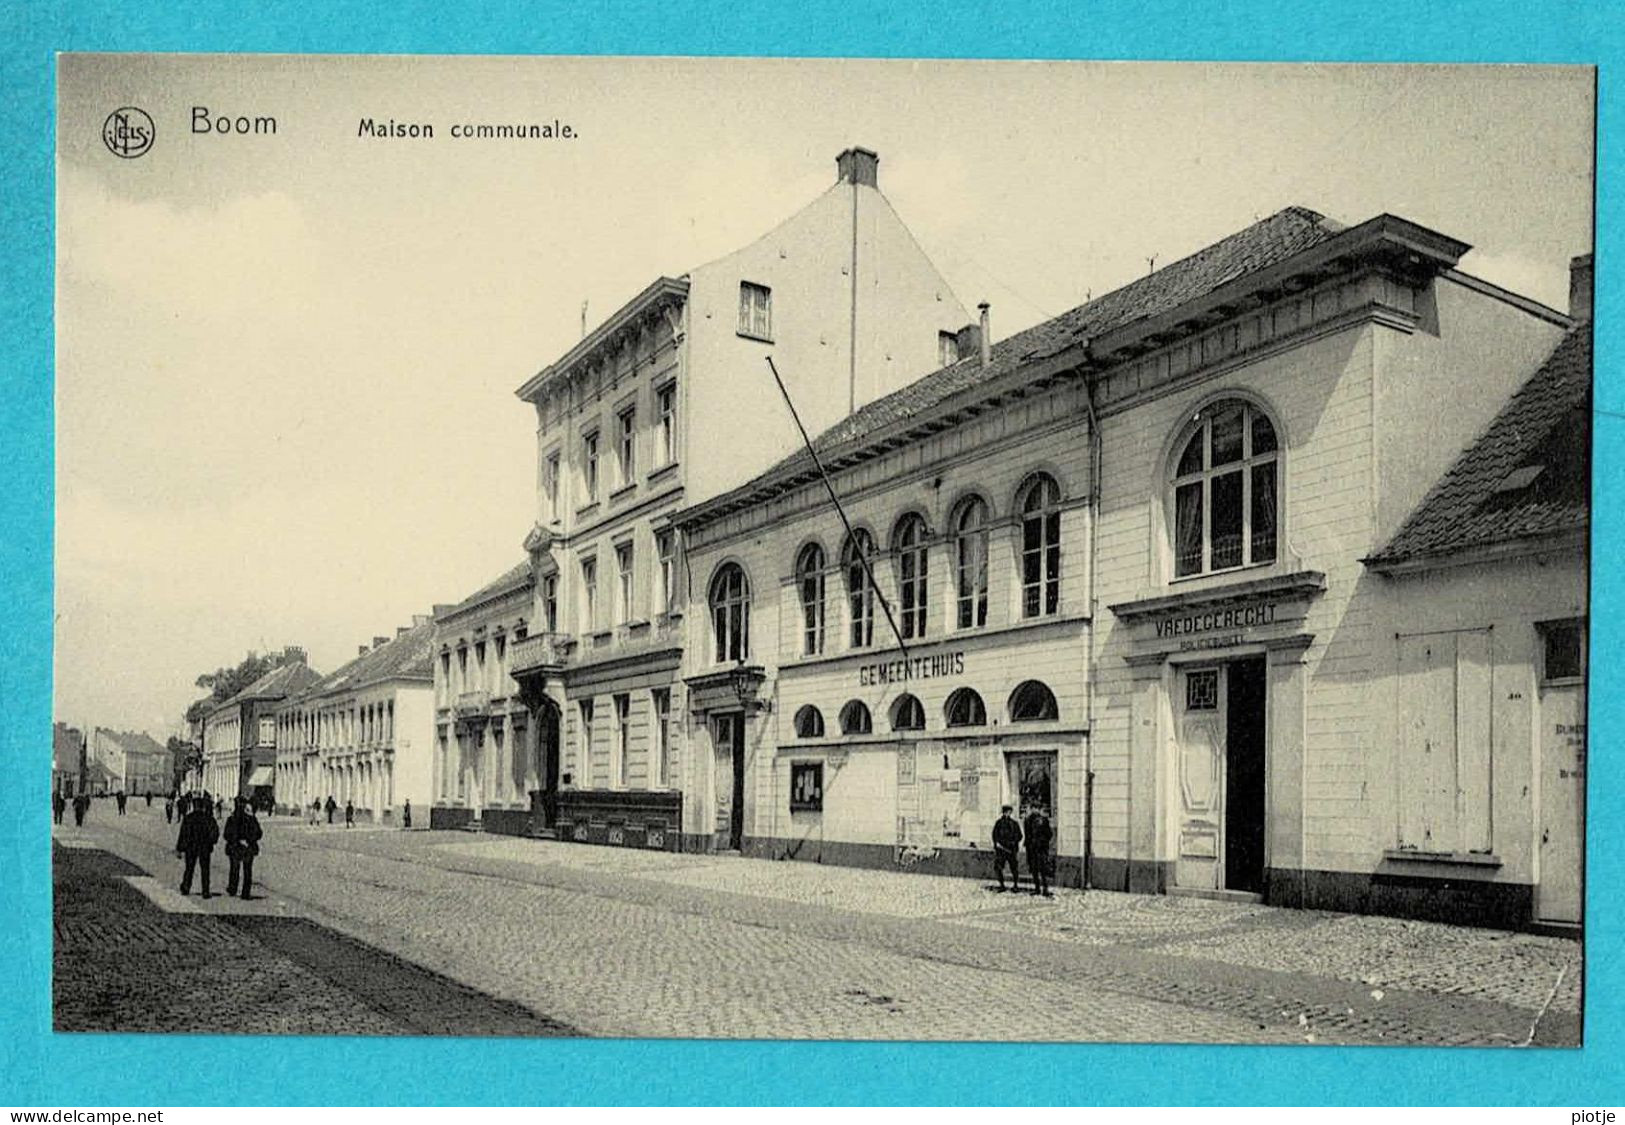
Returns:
<point x="286" y="364"/>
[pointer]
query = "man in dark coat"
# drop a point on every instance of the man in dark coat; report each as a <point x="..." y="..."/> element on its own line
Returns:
<point x="349" y="813"/>
<point x="242" y="845"/>
<point x="59" y="805"/>
<point x="332" y="807"/>
<point x="169" y="810"/>
<point x="1006" y="839"/>
<point x="199" y="834"/>
<point x="81" y="805"/>
<point x="119" y="797"/>
<point x="1040" y="835"/>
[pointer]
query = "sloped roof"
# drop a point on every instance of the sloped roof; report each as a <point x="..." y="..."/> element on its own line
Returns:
<point x="1285" y="233"/>
<point x="408" y="656"/>
<point x="516" y="578"/>
<point x="286" y="679"/>
<point x="1527" y="476"/>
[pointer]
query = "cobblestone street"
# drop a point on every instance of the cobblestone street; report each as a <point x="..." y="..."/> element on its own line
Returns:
<point x="377" y="931"/>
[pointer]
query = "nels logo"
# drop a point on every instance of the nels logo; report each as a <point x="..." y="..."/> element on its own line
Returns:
<point x="128" y="132"/>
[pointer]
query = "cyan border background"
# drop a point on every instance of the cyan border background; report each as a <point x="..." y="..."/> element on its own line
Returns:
<point x="40" y="1068"/>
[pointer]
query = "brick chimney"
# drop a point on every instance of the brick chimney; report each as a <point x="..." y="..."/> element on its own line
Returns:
<point x="1580" y="283"/>
<point x="968" y="340"/>
<point x="293" y="654"/>
<point x="858" y="166"/>
<point x="362" y="650"/>
<point x="379" y="642"/>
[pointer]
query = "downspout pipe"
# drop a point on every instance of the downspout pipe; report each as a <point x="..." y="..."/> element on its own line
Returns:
<point x="1089" y="678"/>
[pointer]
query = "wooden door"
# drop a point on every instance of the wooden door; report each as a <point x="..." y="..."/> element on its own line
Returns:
<point x="1200" y="770"/>
<point x="1562" y="801"/>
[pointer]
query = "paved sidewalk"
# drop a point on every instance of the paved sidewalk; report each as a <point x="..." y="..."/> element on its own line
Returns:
<point x="132" y="954"/>
<point x="623" y="942"/>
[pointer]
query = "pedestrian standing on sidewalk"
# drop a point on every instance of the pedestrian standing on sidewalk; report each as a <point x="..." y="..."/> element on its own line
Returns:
<point x="1040" y="835"/>
<point x="169" y="810"/>
<point x="59" y="805"/>
<point x="199" y="834"/>
<point x="332" y="807"/>
<point x="119" y="796"/>
<point x="242" y="845"/>
<point x="1006" y="839"/>
<point x="183" y="805"/>
<point x="406" y="814"/>
<point x="81" y="805"/>
<point x="349" y="813"/>
<point x="149" y="798"/>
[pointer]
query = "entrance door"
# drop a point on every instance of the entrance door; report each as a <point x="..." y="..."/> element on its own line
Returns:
<point x="729" y="776"/>
<point x="1244" y="776"/>
<point x="547" y="753"/>
<point x="1032" y="783"/>
<point x="1562" y="801"/>
<point x="1220" y="770"/>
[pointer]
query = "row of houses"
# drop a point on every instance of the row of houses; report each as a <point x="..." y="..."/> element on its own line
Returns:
<point x="108" y="762"/>
<point x="1265" y="575"/>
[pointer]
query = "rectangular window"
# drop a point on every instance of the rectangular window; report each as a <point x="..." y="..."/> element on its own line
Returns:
<point x="666" y="434"/>
<point x="666" y="573"/>
<point x="499" y="670"/>
<point x="806" y="786"/>
<point x="623" y="739"/>
<point x="589" y="466"/>
<point x="1445" y="749"/>
<point x="550" y="485"/>
<point x="626" y="453"/>
<point x="1226" y="517"/>
<point x="755" y="311"/>
<point x="589" y="595"/>
<point x="623" y="591"/>
<point x="584" y="750"/>
<point x="550" y="603"/>
<point x="1188" y="529"/>
<point x="1563" y="645"/>
<point x="660" y="699"/>
<point x="947" y="348"/>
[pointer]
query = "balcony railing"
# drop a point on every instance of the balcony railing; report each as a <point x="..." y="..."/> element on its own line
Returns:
<point x="538" y="651"/>
<point x="472" y="703"/>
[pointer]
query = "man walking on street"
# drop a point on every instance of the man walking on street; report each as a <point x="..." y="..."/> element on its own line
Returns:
<point x="59" y="805"/>
<point x="242" y="845"/>
<point x="169" y="810"/>
<point x="119" y="796"/>
<point x="1040" y="835"/>
<point x="332" y="807"/>
<point x="349" y="813"/>
<point x="199" y="833"/>
<point x="1006" y="839"/>
<point x="81" y="805"/>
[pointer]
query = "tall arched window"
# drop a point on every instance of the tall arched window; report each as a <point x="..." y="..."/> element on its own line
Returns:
<point x="1225" y="497"/>
<point x="965" y="709"/>
<point x="810" y="592"/>
<point x="907" y="713"/>
<point x="1032" y="701"/>
<point x="908" y="545"/>
<point x="970" y="562"/>
<point x="809" y="722"/>
<point x="730" y="614"/>
<point x="860" y="591"/>
<point x="855" y="718"/>
<point x="1040" y="506"/>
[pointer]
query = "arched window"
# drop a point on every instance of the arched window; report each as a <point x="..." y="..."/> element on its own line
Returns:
<point x="908" y="544"/>
<point x="730" y="614"/>
<point x="970" y="562"/>
<point x="907" y="713"/>
<point x="855" y="718"/>
<point x="810" y="591"/>
<point x="1039" y="504"/>
<point x="809" y="722"/>
<point x="965" y="709"/>
<point x="860" y="592"/>
<point x="1224" y="508"/>
<point x="1032" y="701"/>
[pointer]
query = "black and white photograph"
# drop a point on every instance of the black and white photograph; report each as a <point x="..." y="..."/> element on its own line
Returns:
<point x="822" y="549"/>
